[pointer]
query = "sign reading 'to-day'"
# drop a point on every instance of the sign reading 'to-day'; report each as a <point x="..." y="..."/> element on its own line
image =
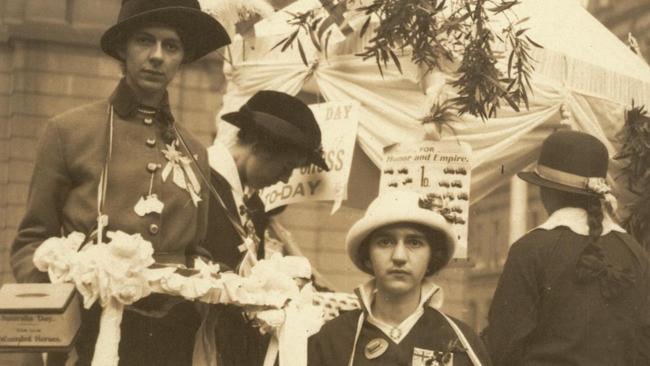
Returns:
<point x="338" y="123"/>
<point x="441" y="171"/>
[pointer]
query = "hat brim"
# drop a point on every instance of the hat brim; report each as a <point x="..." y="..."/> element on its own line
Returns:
<point x="364" y="227"/>
<point x="283" y="132"/>
<point x="205" y="32"/>
<point x="534" y="178"/>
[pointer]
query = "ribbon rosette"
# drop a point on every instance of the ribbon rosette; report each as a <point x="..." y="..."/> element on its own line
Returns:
<point x="600" y="187"/>
<point x="182" y="174"/>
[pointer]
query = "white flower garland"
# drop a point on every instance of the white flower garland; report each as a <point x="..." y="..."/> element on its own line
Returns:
<point x="119" y="273"/>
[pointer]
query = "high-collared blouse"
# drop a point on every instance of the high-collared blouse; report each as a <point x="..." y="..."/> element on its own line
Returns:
<point x="70" y="158"/>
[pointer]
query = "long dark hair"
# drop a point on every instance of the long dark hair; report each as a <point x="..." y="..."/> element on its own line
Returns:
<point x="592" y="264"/>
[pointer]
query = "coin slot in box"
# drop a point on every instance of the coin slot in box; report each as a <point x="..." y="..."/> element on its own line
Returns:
<point x="38" y="317"/>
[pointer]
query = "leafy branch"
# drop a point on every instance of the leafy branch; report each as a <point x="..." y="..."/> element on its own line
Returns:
<point x="438" y="32"/>
<point x="306" y="23"/>
<point x="635" y="150"/>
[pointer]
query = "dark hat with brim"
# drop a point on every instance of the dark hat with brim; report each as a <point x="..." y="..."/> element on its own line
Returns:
<point x="534" y="178"/>
<point x="282" y="118"/>
<point x="569" y="161"/>
<point x="199" y="32"/>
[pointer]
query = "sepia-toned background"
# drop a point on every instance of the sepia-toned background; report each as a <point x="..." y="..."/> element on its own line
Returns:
<point x="50" y="61"/>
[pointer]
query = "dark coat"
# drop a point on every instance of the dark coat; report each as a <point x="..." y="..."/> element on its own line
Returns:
<point x="222" y="241"/>
<point x="540" y="314"/>
<point x="63" y="199"/>
<point x="238" y="341"/>
<point x="332" y="345"/>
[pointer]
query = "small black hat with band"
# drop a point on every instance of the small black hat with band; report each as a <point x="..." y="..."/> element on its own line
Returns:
<point x="573" y="162"/>
<point x="283" y="118"/>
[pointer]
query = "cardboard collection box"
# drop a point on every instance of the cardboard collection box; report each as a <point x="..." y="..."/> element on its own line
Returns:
<point x="38" y="317"/>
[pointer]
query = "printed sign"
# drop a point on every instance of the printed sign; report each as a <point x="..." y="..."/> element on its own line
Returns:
<point x="338" y="124"/>
<point x="441" y="171"/>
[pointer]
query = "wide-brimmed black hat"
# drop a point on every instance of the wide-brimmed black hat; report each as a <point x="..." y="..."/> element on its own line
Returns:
<point x="570" y="161"/>
<point x="282" y="118"/>
<point x="200" y="32"/>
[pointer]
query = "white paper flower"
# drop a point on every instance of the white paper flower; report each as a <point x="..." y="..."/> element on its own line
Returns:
<point x="172" y="283"/>
<point x="290" y="266"/>
<point x="131" y="289"/>
<point x="56" y="256"/>
<point x="132" y="248"/>
<point x="268" y="320"/>
<point x="598" y="186"/>
<point x="87" y="283"/>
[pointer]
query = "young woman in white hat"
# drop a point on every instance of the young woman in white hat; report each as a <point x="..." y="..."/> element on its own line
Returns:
<point x="401" y="241"/>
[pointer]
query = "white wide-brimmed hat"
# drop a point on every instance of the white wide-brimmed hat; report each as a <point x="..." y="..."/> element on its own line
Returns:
<point x="392" y="207"/>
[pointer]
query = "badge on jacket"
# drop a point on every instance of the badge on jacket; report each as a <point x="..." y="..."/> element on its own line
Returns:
<point x="375" y="348"/>
<point x="425" y="357"/>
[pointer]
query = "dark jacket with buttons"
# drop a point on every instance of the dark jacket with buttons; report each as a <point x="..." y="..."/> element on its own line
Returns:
<point x="63" y="199"/>
<point x="63" y="190"/>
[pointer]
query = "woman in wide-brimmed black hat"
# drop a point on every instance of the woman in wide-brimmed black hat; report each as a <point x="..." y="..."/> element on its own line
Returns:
<point x="574" y="291"/>
<point x="199" y="32"/>
<point x="132" y="141"/>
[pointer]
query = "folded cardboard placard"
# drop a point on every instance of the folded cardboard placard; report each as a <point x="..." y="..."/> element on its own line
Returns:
<point x="38" y="317"/>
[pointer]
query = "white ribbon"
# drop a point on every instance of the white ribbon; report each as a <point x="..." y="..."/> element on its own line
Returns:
<point x="289" y="340"/>
<point x="250" y="258"/>
<point x="108" y="340"/>
<point x="205" y="346"/>
<point x="180" y="168"/>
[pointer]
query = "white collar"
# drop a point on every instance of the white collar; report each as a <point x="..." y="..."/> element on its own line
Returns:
<point x="223" y="162"/>
<point x="576" y="220"/>
<point x="431" y="296"/>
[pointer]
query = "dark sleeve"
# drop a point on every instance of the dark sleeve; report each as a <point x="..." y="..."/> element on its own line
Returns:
<point x="644" y="331"/>
<point x="314" y="351"/>
<point x="47" y="193"/>
<point x="332" y="345"/>
<point x="475" y="342"/>
<point x="513" y="313"/>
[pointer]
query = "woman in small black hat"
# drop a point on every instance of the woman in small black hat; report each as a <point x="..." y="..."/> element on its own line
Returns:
<point x="277" y="133"/>
<point x="574" y="291"/>
<point x="121" y="164"/>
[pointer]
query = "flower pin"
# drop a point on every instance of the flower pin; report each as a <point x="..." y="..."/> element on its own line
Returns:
<point x="179" y="166"/>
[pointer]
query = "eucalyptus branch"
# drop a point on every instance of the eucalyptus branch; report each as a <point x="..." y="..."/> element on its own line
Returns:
<point x="635" y="151"/>
<point x="436" y="32"/>
<point x="306" y="23"/>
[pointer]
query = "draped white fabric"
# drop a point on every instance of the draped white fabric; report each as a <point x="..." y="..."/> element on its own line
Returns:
<point x="393" y="104"/>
